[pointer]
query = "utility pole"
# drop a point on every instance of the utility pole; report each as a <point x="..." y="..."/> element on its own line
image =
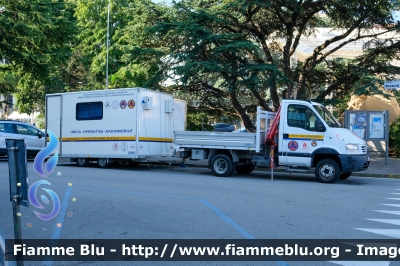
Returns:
<point x="108" y="41"/>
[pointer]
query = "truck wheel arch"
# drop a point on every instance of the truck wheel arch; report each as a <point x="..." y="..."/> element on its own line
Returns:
<point x="214" y="152"/>
<point x="324" y="153"/>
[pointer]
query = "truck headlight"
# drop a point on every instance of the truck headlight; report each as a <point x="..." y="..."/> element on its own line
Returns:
<point x="351" y="147"/>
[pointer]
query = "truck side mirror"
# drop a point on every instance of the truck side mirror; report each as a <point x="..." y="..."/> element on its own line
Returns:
<point x="319" y="126"/>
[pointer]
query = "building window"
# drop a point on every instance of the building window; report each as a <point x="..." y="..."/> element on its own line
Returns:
<point x="89" y="111"/>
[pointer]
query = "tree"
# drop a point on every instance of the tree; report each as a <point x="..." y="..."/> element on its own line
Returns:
<point x="223" y="49"/>
<point x="35" y="36"/>
<point x="127" y="22"/>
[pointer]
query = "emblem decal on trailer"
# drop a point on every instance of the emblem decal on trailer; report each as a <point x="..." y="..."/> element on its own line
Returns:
<point x="293" y="145"/>
<point x="124" y="146"/>
<point x="123" y="104"/>
<point x="131" y="104"/>
<point x="115" y="104"/>
<point x="115" y="146"/>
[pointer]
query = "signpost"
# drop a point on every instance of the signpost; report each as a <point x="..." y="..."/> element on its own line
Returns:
<point x="18" y="174"/>
<point x="392" y="85"/>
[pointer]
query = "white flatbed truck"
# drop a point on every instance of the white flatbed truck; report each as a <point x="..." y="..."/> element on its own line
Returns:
<point x="301" y="136"/>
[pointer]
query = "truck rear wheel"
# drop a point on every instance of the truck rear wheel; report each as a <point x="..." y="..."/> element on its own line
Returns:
<point x="245" y="169"/>
<point x="327" y="171"/>
<point x="345" y="175"/>
<point x="102" y="163"/>
<point x="82" y="161"/>
<point x="222" y="165"/>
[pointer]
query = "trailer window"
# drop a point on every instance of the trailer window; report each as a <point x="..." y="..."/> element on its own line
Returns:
<point x="89" y="111"/>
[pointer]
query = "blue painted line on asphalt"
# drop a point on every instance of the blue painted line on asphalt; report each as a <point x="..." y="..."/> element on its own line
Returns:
<point x="59" y="220"/>
<point x="224" y="217"/>
<point x="237" y="227"/>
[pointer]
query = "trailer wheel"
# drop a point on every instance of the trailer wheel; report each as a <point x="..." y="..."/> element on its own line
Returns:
<point x="222" y="165"/>
<point x="245" y="169"/>
<point x="102" y="163"/>
<point x="327" y="171"/>
<point x="82" y="161"/>
<point x="345" y="175"/>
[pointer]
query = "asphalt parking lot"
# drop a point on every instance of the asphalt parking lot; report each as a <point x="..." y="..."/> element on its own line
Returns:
<point x="169" y="202"/>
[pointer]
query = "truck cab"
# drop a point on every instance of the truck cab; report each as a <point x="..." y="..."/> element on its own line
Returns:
<point x="309" y="136"/>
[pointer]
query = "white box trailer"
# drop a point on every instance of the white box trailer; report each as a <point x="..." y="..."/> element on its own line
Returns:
<point x="108" y="126"/>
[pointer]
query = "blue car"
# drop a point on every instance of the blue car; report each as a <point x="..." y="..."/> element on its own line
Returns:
<point x="224" y="127"/>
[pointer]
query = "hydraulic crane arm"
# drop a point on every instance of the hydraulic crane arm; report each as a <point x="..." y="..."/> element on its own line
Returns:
<point x="274" y="127"/>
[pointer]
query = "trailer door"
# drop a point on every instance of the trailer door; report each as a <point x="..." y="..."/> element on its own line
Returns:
<point x="54" y="117"/>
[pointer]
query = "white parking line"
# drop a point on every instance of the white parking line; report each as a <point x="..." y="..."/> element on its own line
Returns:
<point x="386" y="232"/>
<point x="390" y="212"/>
<point x="362" y="263"/>
<point x="392" y="205"/>
<point x="388" y="221"/>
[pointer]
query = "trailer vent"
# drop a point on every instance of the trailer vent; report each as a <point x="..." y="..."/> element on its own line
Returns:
<point x="147" y="103"/>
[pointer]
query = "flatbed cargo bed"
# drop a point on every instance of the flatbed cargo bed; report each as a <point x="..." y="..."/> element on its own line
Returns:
<point x="225" y="140"/>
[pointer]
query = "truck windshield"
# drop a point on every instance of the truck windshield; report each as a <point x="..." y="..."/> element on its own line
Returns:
<point x="327" y="116"/>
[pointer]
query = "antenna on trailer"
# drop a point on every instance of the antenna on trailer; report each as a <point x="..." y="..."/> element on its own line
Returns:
<point x="108" y="41"/>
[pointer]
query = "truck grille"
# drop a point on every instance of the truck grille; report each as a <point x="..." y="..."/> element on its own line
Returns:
<point x="364" y="149"/>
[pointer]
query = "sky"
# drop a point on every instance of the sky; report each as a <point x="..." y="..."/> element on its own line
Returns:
<point x="163" y="1"/>
<point x="396" y="14"/>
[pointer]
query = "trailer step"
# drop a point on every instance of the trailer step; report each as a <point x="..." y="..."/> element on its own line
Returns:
<point x="297" y="169"/>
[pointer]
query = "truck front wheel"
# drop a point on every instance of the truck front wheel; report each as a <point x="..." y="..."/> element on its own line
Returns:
<point x="245" y="169"/>
<point x="222" y="165"/>
<point x="327" y="171"/>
